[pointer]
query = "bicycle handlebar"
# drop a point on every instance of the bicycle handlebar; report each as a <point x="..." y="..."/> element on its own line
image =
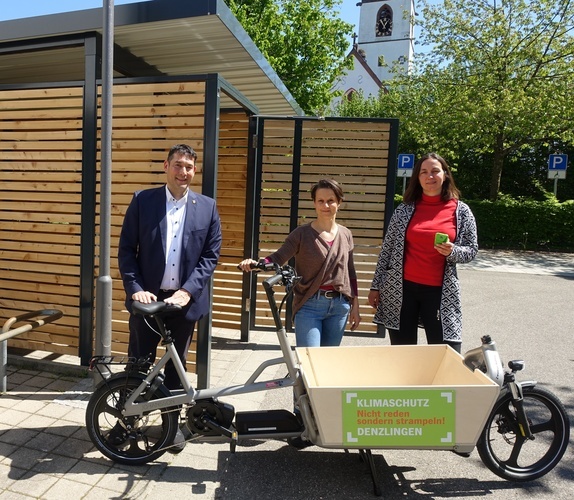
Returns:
<point x="264" y="265"/>
<point x="273" y="280"/>
<point x="283" y="274"/>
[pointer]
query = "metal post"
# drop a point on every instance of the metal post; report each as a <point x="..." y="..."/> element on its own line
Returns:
<point x="3" y="363"/>
<point x="104" y="282"/>
<point x="92" y="72"/>
<point x="208" y="188"/>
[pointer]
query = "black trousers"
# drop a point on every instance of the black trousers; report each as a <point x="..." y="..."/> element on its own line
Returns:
<point x="421" y="303"/>
<point x="144" y="341"/>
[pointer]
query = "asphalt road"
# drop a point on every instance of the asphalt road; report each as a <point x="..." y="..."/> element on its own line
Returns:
<point x="530" y="316"/>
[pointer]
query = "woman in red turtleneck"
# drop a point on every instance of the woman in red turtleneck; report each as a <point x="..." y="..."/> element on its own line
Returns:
<point x="415" y="280"/>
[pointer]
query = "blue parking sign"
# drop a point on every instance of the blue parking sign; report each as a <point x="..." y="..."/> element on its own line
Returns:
<point x="557" y="165"/>
<point x="406" y="163"/>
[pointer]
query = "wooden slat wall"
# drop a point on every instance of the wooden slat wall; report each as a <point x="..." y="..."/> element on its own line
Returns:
<point x="276" y="176"/>
<point x="40" y="197"/>
<point x="355" y="153"/>
<point x="231" y="195"/>
<point x="41" y="172"/>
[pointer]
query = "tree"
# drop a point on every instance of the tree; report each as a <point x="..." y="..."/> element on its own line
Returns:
<point x="497" y="80"/>
<point x="304" y="41"/>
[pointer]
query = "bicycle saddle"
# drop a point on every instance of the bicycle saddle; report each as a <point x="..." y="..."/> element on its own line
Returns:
<point x="155" y="308"/>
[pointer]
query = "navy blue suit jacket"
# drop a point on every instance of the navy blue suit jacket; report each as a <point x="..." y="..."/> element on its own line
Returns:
<point x="141" y="253"/>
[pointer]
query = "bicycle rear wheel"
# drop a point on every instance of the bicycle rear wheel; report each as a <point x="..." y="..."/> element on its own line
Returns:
<point x="131" y="440"/>
<point x="509" y="455"/>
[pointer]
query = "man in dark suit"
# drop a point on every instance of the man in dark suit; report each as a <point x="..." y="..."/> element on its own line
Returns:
<point x="169" y="247"/>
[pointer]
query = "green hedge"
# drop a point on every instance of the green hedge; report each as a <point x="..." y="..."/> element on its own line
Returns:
<point x="523" y="225"/>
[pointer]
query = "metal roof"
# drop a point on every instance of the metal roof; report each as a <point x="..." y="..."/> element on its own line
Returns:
<point x="171" y="37"/>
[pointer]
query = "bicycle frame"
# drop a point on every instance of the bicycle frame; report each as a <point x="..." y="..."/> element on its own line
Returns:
<point x="188" y="394"/>
<point x="486" y="359"/>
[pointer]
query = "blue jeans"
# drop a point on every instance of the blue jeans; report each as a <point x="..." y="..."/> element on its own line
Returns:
<point x="321" y="321"/>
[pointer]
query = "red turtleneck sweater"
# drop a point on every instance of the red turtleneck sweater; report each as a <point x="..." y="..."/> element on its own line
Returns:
<point x="423" y="264"/>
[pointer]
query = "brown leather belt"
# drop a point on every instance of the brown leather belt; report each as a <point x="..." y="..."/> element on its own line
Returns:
<point x="329" y="294"/>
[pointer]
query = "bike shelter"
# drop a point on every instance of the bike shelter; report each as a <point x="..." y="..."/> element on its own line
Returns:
<point x="51" y="244"/>
<point x="183" y="72"/>
<point x="246" y="164"/>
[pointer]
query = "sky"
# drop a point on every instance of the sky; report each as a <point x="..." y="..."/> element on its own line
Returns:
<point x="14" y="9"/>
<point x="29" y="8"/>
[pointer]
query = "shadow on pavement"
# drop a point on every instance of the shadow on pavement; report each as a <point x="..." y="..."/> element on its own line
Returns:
<point x="318" y="474"/>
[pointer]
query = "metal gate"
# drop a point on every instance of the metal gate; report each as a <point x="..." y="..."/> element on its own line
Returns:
<point x="287" y="156"/>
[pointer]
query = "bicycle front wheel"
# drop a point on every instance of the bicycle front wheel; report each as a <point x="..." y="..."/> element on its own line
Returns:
<point x="511" y="456"/>
<point x="131" y="440"/>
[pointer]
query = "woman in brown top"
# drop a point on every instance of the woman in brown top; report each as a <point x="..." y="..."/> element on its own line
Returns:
<point x="327" y="294"/>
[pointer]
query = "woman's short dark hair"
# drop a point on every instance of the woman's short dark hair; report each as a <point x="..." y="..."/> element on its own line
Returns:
<point x="331" y="184"/>
<point x="414" y="190"/>
<point x="182" y="150"/>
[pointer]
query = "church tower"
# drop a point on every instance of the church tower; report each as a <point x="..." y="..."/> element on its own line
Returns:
<point x="386" y="34"/>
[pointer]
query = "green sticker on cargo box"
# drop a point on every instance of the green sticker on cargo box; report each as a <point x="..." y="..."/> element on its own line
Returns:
<point x="403" y="417"/>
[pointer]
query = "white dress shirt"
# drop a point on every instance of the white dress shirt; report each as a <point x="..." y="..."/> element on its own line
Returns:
<point x="175" y="214"/>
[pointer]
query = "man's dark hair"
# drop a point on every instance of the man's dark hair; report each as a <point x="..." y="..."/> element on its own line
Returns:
<point x="182" y="150"/>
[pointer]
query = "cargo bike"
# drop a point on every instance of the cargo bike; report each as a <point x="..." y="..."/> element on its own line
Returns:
<point x="361" y="398"/>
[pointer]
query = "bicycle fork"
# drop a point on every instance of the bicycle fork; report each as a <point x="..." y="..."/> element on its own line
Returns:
<point x="518" y="399"/>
